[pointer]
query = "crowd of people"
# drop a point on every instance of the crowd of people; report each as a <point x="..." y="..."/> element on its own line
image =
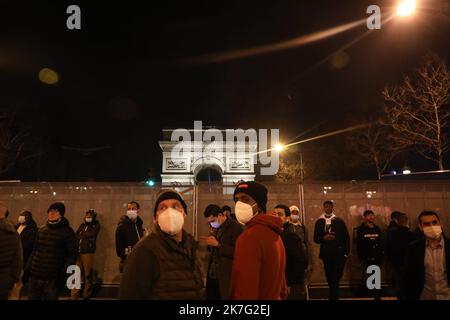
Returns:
<point x="254" y="253"/>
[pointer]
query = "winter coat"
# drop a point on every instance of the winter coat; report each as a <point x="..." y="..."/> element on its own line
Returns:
<point x="87" y="236"/>
<point x="11" y="259"/>
<point x="55" y="250"/>
<point x="260" y="261"/>
<point x="397" y="240"/>
<point x="223" y="256"/>
<point x="28" y="237"/>
<point x="339" y="246"/>
<point x="159" y="268"/>
<point x="128" y="234"/>
<point x="413" y="280"/>
<point x="296" y="254"/>
<point x="369" y="243"/>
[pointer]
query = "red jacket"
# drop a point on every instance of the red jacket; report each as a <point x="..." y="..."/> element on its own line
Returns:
<point x="260" y="261"/>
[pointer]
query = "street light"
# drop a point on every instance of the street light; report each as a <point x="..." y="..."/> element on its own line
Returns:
<point x="406" y="8"/>
<point x="278" y="147"/>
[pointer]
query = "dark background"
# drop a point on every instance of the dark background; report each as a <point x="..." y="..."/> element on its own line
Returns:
<point x="123" y="78"/>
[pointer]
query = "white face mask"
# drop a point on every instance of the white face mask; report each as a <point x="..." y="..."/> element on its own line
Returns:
<point x="88" y="220"/>
<point x="215" y="224"/>
<point x="244" y="212"/>
<point x="432" y="232"/>
<point x="171" y="221"/>
<point x="21" y="219"/>
<point x="132" y="214"/>
<point x="294" y="217"/>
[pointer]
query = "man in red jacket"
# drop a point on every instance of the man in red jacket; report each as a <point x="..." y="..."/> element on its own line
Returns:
<point x="259" y="258"/>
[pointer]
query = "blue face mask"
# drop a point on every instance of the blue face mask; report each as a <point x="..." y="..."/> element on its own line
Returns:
<point x="215" y="224"/>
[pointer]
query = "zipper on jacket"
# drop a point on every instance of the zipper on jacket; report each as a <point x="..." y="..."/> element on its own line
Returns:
<point x="137" y="232"/>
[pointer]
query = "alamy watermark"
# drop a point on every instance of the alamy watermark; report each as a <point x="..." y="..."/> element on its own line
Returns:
<point x="249" y="145"/>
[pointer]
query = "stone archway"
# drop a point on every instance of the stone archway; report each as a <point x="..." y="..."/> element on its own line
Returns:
<point x="183" y="170"/>
<point x="208" y="173"/>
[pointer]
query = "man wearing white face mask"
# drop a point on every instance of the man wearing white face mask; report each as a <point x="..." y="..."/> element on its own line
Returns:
<point x="164" y="265"/>
<point x="129" y="231"/>
<point x="221" y="243"/>
<point x="332" y="235"/>
<point x="259" y="258"/>
<point x="426" y="274"/>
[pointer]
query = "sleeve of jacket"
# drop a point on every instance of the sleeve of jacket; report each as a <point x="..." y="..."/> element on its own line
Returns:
<point x="120" y="242"/>
<point x="227" y="249"/>
<point x="318" y="233"/>
<point x="71" y="248"/>
<point x="17" y="262"/>
<point x="28" y="240"/>
<point x="79" y="232"/>
<point x="359" y="242"/>
<point x="246" y="270"/>
<point x="140" y="275"/>
<point x="30" y="259"/>
<point x="346" y="238"/>
<point x="409" y="276"/>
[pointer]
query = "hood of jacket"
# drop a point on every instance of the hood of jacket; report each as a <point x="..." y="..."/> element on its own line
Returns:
<point x="268" y="220"/>
<point x="6" y="225"/>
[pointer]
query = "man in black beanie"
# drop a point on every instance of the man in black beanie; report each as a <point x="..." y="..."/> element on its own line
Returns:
<point x="55" y="250"/>
<point x="259" y="258"/>
<point x="164" y="265"/>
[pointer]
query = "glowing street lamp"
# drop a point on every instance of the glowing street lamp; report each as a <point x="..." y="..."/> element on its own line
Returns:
<point x="406" y="8"/>
<point x="278" y="148"/>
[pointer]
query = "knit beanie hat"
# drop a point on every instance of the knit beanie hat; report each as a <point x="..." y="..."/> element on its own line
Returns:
<point x="257" y="191"/>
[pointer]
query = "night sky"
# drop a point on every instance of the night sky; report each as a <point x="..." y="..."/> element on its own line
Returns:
<point x="123" y="77"/>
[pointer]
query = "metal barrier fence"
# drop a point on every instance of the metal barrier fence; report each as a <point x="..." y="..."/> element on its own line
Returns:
<point x="110" y="199"/>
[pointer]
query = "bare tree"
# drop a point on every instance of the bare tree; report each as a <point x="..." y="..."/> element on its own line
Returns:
<point x="375" y="144"/>
<point x="12" y="142"/>
<point x="418" y="109"/>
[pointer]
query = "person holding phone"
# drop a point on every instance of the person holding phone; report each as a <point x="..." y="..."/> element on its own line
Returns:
<point x="332" y="235"/>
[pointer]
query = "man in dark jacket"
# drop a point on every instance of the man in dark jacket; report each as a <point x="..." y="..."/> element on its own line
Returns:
<point x="296" y="255"/>
<point x="426" y="273"/>
<point x="87" y="237"/>
<point x="129" y="231"/>
<point x="11" y="259"/>
<point x="332" y="235"/>
<point x="27" y="229"/>
<point x="221" y="241"/>
<point x="55" y="250"/>
<point x="369" y="245"/>
<point x="397" y="240"/>
<point x="164" y="265"/>
<point x="259" y="258"/>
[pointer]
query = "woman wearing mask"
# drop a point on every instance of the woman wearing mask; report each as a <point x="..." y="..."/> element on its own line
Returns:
<point x="129" y="231"/>
<point x="27" y="229"/>
<point x="87" y="238"/>
<point x="164" y="265"/>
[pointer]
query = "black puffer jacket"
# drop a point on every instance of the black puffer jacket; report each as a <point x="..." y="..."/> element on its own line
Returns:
<point x="28" y="237"/>
<point x="55" y="250"/>
<point x="10" y="257"/>
<point x="166" y="270"/>
<point x="128" y="234"/>
<point x="87" y="236"/>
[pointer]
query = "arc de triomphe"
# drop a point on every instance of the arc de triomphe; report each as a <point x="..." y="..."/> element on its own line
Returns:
<point x="232" y="167"/>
